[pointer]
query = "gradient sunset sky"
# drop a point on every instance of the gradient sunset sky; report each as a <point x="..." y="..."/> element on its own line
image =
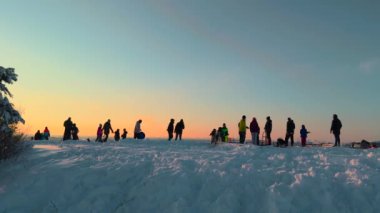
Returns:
<point x="207" y="62"/>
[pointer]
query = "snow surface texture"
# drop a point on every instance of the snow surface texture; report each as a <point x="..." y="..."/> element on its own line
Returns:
<point x="191" y="176"/>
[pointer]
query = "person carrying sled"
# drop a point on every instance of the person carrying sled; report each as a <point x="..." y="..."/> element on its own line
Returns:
<point x="117" y="135"/>
<point x="290" y="127"/>
<point x="137" y="129"/>
<point x="303" y="133"/>
<point x="336" y="126"/>
<point x="46" y="133"/>
<point x="99" y="133"/>
<point x="75" y="132"/>
<point x="124" y="135"/>
<point x="170" y="129"/>
<point x="224" y="132"/>
<point x="255" y="131"/>
<point x="106" y="129"/>
<point x="179" y="127"/>
<point x="268" y="130"/>
<point x="68" y="124"/>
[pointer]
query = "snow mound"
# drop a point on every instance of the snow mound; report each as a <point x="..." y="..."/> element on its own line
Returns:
<point x="190" y="176"/>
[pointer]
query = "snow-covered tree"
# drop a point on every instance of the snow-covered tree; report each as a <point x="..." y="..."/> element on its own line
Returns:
<point x="8" y="115"/>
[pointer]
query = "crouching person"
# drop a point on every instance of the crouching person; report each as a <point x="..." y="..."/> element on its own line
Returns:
<point x="281" y="142"/>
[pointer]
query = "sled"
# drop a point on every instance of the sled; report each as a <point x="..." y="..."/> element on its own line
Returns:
<point x="140" y="135"/>
<point x="264" y="141"/>
<point x="319" y="145"/>
<point x="364" y="145"/>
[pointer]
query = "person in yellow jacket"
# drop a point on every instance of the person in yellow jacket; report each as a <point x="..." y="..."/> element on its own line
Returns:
<point x="242" y="129"/>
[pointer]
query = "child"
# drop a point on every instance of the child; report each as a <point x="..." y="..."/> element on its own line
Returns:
<point x="214" y="136"/>
<point x="99" y="133"/>
<point x="224" y="132"/>
<point x="75" y="132"/>
<point x="117" y="135"/>
<point x="303" y="133"/>
<point x="219" y="136"/>
<point x="124" y="135"/>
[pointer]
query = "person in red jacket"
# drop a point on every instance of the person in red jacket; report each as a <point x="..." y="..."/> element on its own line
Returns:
<point x="99" y="133"/>
<point x="46" y="133"/>
<point x="255" y="131"/>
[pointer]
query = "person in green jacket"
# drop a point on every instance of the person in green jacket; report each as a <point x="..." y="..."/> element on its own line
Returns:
<point x="224" y="133"/>
<point x="242" y="129"/>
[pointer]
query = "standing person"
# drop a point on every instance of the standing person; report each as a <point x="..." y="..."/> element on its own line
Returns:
<point x="303" y="133"/>
<point x="68" y="124"/>
<point x="75" y="132"/>
<point x="268" y="130"/>
<point x="214" y="136"/>
<point x="290" y="127"/>
<point x="137" y="129"/>
<point x="106" y="129"/>
<point x="219" y="134"/>
<point x="255" y="131"/>
<point x="171" y="129"/>
<point x="242" y="129"/>
<point x="117" y="135"/>
<point x="179" y="127"/>
<point x="124" y="135"/>
<point x="224" y="132"/>
<point x="46" y="133"/>
<point x="336" y="125"/>
<point x="99" y="133"/>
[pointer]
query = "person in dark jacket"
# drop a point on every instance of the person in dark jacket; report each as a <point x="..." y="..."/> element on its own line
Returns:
<point x="68" y="124"/>
<point x="214" y="136"/>
<point x="171" y="129"/>
<point x="179" y="127"/>
<point x="290" y="127"/>
<point x="38" y="136"/>
<point x="268" y="130"/>
<point x="75" y="132"/>
<point x="124" y="135"/>
<point x="336" y="126"/>
<point x="255" y="131"/>
<point x="117" y="135"/>
<point x="106" y="129"/>
<point x="280" y="142"/>
<point x="99" y="133"/>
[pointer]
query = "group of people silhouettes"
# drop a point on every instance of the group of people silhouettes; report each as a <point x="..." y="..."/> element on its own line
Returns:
<point x="102" y="133"/>
<point x="178" y="129"/>
<point x="71" y="130"/>
<point x="222" y="133"/>
<point x="217" y="135"/>
<point x="105" y="130"/>
<point x="42" y="136"/>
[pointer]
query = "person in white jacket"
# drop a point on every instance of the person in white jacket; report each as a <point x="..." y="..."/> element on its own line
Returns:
<point x="137" y="128"/>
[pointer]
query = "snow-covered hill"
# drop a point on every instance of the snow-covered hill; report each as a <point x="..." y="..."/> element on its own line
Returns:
<point x="192" y="176"/>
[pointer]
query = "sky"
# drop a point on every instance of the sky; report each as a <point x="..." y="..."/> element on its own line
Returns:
<point x="207" y="62"/>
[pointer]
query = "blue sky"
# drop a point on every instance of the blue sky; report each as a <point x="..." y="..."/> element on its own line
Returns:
<point x="205" y="61"/>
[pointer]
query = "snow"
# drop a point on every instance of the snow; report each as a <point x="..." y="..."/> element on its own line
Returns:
<point x="189" y="176"/>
